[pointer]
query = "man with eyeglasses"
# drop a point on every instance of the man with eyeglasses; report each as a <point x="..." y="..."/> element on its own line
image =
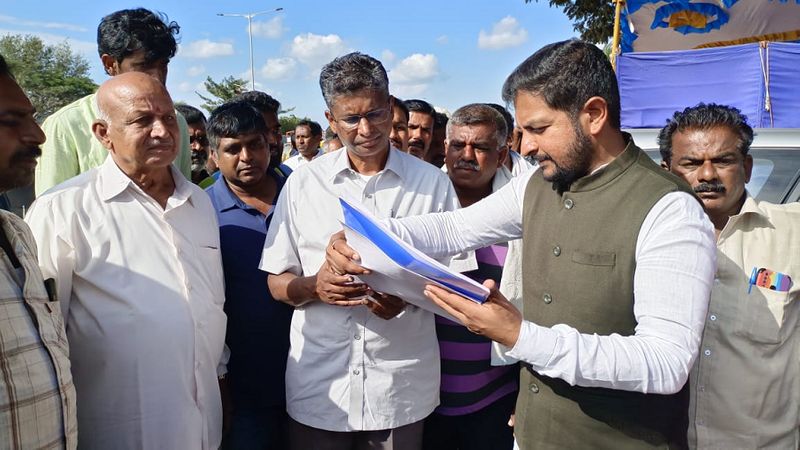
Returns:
<point x="360" y="373"/>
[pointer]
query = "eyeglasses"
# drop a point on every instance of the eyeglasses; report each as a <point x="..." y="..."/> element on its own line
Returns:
<point x="375" y="117"/>
<point x="202" y="140"/>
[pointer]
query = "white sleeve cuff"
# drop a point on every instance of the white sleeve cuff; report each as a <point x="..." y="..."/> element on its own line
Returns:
<point x="535" y="344"/>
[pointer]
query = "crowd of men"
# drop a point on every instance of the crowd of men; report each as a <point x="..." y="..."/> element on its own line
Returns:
<point x="183" y="282"/>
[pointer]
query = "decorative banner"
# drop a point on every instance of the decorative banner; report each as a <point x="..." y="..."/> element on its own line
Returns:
<point x="659" y="25"/>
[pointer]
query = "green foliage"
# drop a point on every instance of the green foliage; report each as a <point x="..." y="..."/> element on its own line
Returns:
<point x="51" y="75"/>
<point x="593" y="19"/>
<point x="223" y="90"/>
<point x="289" y="123"/>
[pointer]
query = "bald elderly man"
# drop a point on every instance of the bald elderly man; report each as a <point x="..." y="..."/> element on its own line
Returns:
<point x="134" y="247"/>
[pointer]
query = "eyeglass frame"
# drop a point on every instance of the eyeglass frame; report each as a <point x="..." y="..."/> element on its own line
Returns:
<point x="386" y="111"/>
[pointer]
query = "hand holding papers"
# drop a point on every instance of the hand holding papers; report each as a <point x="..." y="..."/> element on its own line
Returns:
<point x="398" y="269"/>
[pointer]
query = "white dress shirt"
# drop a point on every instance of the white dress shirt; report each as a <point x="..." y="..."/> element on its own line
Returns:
<point x="675" y="263"/>
<point x="348" y="369"/>
<point x="141" y="288"/>
<point x="294" y="162"/>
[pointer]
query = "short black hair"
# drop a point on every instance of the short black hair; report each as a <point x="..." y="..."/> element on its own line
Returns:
<point x="440" y="120"/>
<point x="316" y="130"/>
<point x="704" y="117"/>
<point x="123" y="32"/>
<point x="5" y="71"/>
<point x="233" y="119"/>
<point x="351" y="73"/>
<point x="190" y="113"/>
<point x="420" y="106"/>
<point x="399" y="103"/>
<point x="260" y="101"/>
<point x="566" y="74"/>
<point x="506" y="115"/>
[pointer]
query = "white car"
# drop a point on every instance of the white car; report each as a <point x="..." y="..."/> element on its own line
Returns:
<point x="776" y="161"/>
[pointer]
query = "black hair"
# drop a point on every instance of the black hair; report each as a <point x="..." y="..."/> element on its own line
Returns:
<point x="190" y="113"/>
<point x="704" y="117"/>
<point x="316" y="130"/>
<point x="5" y="71"/>
<point x="439" y="120"/>
<point x="233" y="119"/>
<point x="398" y="103"/>
<point x="420" y="106"/>
<point x="123" y="32"/>
<point x="351" y="73"/>
<point x="506" y="115"/>
<point x="565" y="75"/>
<point x="260" y="101"/>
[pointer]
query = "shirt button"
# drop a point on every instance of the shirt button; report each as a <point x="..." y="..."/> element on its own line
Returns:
<point x="357" y="337"/>
<point x="568" y="203"/>
<point x="368" y="196"/>
<point x="534" y="388"/>
<point x="557" y="250"/>
<point x="712" y="317"/>
<point x="356" y="371"/>
<point x="707" y="352"/>
<point x="701" y="388"/>
<point x="547" y="299"/>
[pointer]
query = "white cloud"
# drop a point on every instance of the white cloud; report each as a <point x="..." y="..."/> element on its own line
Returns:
<point x="205" y="48"/>
<point x="315" y="50"/>
<point x="279" y="68"/>
<point x="186" y="86"/>
<point x="88" y="49"/>
<point x="413" y="74"/>
<point x="270" y="29"/>
<point x="505" y="33"/>
<point x="442" y="40"/>
<point x="196" y="70"/>
<point x="37" y="24"/>
<point x="387" y="57"/>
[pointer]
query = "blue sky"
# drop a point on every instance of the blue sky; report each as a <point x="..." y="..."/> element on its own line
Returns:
<point x="449" y="53"/>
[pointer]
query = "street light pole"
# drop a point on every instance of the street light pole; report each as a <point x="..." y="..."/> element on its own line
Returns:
<point x="249" y="17"/>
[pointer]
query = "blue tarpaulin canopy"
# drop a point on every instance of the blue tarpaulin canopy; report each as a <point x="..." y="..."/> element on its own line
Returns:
<point x="763" y="81"/>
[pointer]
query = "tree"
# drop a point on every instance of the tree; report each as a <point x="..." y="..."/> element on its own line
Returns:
<point x="289" y="123"/>
<point x="593" y="19"/>
<point x="224" y="90"/>
<point x="51" y="75"/>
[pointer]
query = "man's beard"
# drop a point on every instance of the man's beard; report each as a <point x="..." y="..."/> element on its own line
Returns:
<point x="199" y="160"/>
<point x="15" y="176"/>
<point x="578" y="161"/>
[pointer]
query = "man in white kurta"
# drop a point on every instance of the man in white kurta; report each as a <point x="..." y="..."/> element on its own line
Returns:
<point x="139" y="277"/>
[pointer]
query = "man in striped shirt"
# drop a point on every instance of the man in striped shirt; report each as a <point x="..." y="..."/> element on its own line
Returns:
<point x="476" y="398"/>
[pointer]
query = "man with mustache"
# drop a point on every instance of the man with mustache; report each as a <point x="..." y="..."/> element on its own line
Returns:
<point x="37" y="408"/>
<point x="134" y="249"/>
<point x="308" y="135"/>
<point x="745" y="386"/>
<point x="203" y="164"/>
<point x="129" y="40"/>
<point x="476" y="399"/>
<point x="420" y="127"/>
<point x="258" y="326"/>
<point x="618" y="261"/>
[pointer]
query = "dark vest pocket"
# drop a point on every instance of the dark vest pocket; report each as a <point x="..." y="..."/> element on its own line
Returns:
<point x="594" y="259"/>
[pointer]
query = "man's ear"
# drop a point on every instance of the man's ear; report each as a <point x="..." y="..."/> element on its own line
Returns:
<point x="502" y="156"/>
<point x="331" y="121"/>
<point x="665" y="165"/>
<point x="595" y="115"/>
<point x="109" y="64"/>
<point x="100" y="130"/>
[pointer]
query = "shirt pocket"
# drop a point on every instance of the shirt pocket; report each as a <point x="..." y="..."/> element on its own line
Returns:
<point x="762" y="315"/>
<point x="603" y="259"/>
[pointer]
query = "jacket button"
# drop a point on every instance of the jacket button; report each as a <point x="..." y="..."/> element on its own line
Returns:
<point x="557" y="250"/>
<point x="568" y="203"/>
<point x="534" y="388"/>
<point x="547" y="298"/>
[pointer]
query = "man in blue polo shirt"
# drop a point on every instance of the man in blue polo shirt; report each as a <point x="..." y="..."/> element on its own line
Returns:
<point x="258" y="327"/>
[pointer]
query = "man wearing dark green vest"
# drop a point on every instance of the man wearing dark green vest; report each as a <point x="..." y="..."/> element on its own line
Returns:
<point x="618" y="261"/>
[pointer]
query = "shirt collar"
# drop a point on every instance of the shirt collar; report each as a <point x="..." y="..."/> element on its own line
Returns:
<point x="113" y="181"/>
<point x="750" y="206"/>
<point x="223" y="197"/>
<point x="394" y="163"/>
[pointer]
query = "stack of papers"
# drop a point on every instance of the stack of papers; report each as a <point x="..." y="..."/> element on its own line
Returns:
<point x="396" y="267"/>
